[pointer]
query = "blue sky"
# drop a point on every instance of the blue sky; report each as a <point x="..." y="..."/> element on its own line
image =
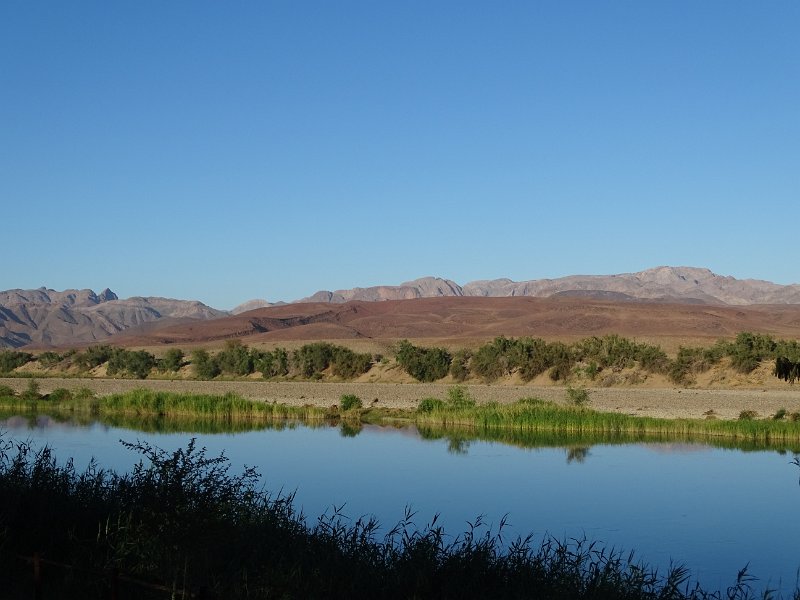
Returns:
<point x="228" y="151"/>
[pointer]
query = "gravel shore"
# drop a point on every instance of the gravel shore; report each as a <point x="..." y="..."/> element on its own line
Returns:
<point x="656" y="402"/>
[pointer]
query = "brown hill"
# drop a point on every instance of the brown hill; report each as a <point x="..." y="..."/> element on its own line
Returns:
<point x="472" y="319"/>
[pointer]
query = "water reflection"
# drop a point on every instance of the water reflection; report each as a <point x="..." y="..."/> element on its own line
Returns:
<point x="458" y="439"/>
<point x="712" y="504"/>
<point x="350" y="429"/>
<point x="577" y="454"/>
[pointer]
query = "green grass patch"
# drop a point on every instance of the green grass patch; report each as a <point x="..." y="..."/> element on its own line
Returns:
<point x="534" y="416"/>
<point x="143" y="402"/>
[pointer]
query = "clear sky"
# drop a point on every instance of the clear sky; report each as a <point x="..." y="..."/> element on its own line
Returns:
<point x="224" y="151"/>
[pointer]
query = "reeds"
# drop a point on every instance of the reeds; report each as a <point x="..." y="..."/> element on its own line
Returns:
<point x="142" y="402"/>
<point x="534" y="416"/>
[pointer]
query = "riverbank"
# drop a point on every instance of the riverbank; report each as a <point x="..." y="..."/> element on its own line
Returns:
<point x="665" y="403"/>
<point x="183" y="524"/>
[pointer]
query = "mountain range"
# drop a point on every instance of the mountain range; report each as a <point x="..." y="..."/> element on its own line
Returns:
<point x="661" y="284"/>
<point x="45" y="317"/>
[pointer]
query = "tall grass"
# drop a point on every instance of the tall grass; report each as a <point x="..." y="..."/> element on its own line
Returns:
<point x="142" y="402"/>
<point x="181" y="520"/>
<point x="534" y="416"/>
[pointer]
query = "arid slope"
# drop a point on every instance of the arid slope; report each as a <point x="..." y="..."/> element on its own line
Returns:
<point x="469" y="319"/>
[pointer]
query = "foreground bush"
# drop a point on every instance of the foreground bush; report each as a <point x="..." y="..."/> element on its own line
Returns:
<point x="182" y="521"/>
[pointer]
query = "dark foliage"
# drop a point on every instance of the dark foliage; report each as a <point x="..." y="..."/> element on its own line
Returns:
<point x="205" y="366"/>
<point x="272" y="364"/>
<point x="786" y="369"/>
<point x="235" y="359"/>
<point x="423" y="364"/>
<point x="11" y="359"/>
<point x="136" y="363"/>
<point x="171" y="361"/>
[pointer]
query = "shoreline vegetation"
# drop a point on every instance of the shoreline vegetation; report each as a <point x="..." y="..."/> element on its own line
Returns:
<point x="180" y="522"/>
<point x="458" y="415"/>
<point x="604" y="361"/>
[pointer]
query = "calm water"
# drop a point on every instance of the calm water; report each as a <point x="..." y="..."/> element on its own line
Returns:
<point x="714" y="510"/>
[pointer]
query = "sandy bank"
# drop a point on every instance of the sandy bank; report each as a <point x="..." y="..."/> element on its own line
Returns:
<point x="657" y="402"/>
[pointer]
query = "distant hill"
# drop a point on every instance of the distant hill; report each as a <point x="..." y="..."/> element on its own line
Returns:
<point x="252" y="305"/>
<point x="47" y="317"/>
<point x="44" y="317"/>
<point x="662" y="284"/>
<point x="466" y="319"/>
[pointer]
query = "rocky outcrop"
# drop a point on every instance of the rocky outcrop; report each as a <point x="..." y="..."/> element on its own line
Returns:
<point x="672" y="284"/>
<point x="251" y="305"/>
<point x="49" y="317"/>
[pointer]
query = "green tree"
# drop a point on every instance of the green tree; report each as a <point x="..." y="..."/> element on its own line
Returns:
<point x="172" y="360"/>
<point x="235" y="359"/>
<point x="205" y="366"/>
<point x="423" y="364"/>
<point x="459" y="367"/>
<point x="93" y="356"/>
<point x="348" y="364"/>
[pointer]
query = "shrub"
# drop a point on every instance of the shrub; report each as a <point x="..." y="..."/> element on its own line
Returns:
<point x="493" y="360"/>
<point x="31" y="392"/>
<point x="273" y="364"/>
<point x="423" y="364"/>
<point x="349" y="402"/>
<point x="7" y="391"/>
<point x="592" y="370"/>
<point x="312" y="358"/>
<point x="693" y="360"/>
<point x="204" y="365"/>
<point x="459" y="367"/>
<point x="749" y="349"/>
<point x="578" y="396"/>
<point x="459" y="398"/>
<point x="137" y="363"/>
<point x="83" y="393"/>
<point x="532" y="357"/>
<point x="11" y="359"/>
<point x="780" y="415"/>
<point x="60" y="395"/>
<point x="49" y="359"/>
<point x="748" y="415"/>
<point x="172" y="360"/>
<point x="234" y="359"/>
<point x="428" y="405"/>
<point x="93" y="356"/>
<point x="652" y="358"/>
<point x="348" y="364"/>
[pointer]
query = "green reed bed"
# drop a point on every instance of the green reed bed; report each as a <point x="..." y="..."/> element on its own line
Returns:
<point x="143" y="403"/>
<point x="553" y="439"/>
<point x="228" y="406"/>
<point x="181" y="525"/>
<point x="155" y="423"/>
<point x="536" y="416"/>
